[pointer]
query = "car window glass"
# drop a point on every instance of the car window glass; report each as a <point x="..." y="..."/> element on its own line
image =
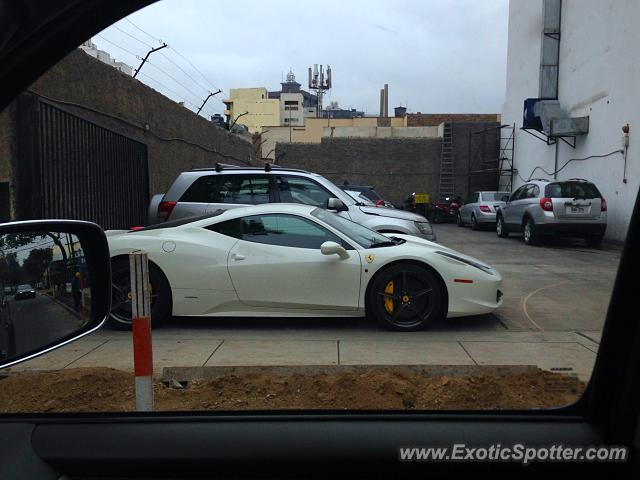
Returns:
<point x="301" y="190"/>
<point x="285" y="231"/>
<point x="571" y="190"/>
<point x="516" y="195"/>
<point x="274" y="229"/>
<point x="240" y="189"/>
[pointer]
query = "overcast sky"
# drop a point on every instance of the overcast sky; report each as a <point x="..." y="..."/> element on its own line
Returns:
<point x="437" y="56"/>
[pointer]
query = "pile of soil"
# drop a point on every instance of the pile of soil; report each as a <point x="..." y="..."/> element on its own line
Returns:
<point x="378" y="388"/>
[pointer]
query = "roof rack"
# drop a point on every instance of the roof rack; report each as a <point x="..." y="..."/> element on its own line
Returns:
<point x="267" y="168"/>
<point x="578" y="180"/>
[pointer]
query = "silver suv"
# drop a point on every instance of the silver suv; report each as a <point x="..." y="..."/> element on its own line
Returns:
<point x="569" y="208"/>
<point x="200" y="191"/>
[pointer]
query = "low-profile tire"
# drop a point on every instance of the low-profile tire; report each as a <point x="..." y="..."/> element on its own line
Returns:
<point x="474" y="223"/>
<point x="406" y="297"/>
<point x="530" y="235"/>
<point x="161" y="301"/>
<point x="594" y="241"/>
<point x="459" y="220"/>
<point x="501" y="228"/>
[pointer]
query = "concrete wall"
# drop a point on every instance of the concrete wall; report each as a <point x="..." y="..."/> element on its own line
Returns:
<point x="176" y="138"/>
<point x="599" y="76"/>
<point x="262" y="110"/>
<point x="396" y="167"/>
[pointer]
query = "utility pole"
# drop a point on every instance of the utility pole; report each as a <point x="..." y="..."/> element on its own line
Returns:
<point x="206" y="100"/>
<point x="164" y="45"/>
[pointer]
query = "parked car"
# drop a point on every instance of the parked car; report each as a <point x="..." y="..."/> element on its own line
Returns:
<point x="201" y="191"/>
<point x="571" y="208"/>
<point x="445" y="209"/>
<point x="360" y="198"/>
<point x="284" y="259"/>
<point x="25" y="291"/>
<point x="481" y="209"/>
<point x="369" y="192"/>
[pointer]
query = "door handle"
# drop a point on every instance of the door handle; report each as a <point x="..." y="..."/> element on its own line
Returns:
<point x="237" y="257"/>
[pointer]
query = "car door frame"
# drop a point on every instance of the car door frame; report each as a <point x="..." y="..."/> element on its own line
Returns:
<point x="300" y="252"/>
<point x="508" y="208"/>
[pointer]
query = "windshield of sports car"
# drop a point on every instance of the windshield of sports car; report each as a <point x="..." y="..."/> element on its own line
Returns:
<point x="240" y="145"/>
<point x="363" y="236"/>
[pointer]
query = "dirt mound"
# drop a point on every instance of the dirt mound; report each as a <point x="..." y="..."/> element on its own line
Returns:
<point x="109" y="390"/>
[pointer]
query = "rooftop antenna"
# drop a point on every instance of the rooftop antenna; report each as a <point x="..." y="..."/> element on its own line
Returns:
<point x="319" y="83"/>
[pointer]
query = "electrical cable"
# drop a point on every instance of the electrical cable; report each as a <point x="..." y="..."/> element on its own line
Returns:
<point x="138" y="57"/>
<point x="551" y="174"/>
<point x="179" y="54"/>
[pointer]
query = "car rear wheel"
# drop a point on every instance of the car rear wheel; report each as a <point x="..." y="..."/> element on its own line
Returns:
<point x="501" y="228"/>
<point x="120" y="315"/>
<point x="459" y="220"/>
<point x="407" y="297"/>
<point x="474" y="222"/>
<point x="530" y="235"/>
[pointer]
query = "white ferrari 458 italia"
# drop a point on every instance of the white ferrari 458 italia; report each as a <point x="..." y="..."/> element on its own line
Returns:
<point x="298" y="261"/>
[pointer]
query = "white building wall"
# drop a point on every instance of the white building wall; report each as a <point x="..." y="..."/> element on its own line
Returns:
<point x="599" y="76"/>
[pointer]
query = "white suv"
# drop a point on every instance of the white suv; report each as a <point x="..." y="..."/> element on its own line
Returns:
<point x="201" y="191"/>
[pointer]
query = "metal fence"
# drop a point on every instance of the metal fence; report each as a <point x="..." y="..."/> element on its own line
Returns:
<point x="69" y="167"/>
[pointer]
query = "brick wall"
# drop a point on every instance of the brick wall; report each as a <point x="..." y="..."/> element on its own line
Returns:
<point x="435" y="119"/>
<point x="396" y="167"/>
<point x="176" y="138"/>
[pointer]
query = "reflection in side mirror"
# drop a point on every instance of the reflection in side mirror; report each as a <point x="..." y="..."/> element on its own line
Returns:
<point x="336" y="204"/>
<point x="54" y="285"/>
<point x="505" y="198"/>
<point x="332" y="248"/>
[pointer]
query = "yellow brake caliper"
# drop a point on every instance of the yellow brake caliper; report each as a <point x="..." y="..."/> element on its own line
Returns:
<point x="388" y="302"/>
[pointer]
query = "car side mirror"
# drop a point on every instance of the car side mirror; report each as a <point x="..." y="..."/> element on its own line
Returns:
<point x="332" y="248"/>
<point x="505" y="198"/>
<point x="56" y="281"/>
<point x="336" y="204"/>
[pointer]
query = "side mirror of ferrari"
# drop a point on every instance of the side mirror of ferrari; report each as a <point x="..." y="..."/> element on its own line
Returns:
<point x="55" y="280"/>
<point x="505" y="198"/>
<point x="336" y="204"/>
<point x="332" y="248"/>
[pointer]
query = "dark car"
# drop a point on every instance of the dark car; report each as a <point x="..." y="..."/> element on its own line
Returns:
<point x="25" y="291"/>
<point x="369" y="192"/>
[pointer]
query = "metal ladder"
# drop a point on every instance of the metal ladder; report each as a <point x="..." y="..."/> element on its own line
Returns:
<point x="446" y="162"/>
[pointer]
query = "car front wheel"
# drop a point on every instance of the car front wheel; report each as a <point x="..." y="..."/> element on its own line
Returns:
<point x="501" y="228"/>
<point x="407" y="297"/>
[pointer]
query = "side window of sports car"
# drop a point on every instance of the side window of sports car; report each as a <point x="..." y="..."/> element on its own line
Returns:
<point x="285" y="231"/>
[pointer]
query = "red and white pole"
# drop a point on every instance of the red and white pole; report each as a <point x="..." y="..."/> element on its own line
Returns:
<point x="141" y="322"/>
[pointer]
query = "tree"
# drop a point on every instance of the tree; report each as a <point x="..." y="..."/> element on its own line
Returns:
<point x="333" y="105"/>
<point x="36" y="263"/>
<point x="10" y="270"/>
<point x="19" y="240"/>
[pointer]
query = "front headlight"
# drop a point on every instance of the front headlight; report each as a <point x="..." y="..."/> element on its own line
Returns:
<point x="424" y="227"/>
<point x="480" y="266"/>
